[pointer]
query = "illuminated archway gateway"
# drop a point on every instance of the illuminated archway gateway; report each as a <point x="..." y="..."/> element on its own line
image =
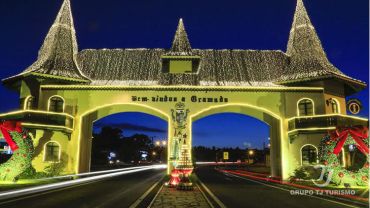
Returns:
<point x="290" y="91"/>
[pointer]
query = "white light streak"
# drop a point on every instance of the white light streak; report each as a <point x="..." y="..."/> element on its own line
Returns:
<point x="37" y="189"/>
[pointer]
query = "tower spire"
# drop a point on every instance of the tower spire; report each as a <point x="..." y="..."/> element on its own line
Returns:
<point x="57" y="56"/>
<point x="303" y="39"/>
<point x="181" y="44"/>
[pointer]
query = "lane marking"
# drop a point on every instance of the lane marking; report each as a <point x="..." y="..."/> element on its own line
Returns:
<point x="142" y="197"/>
<point x="204" y="195"/>
<point x="219" y="203"/>
<point x="329" y="200"/>
<point x="155" y="197"/>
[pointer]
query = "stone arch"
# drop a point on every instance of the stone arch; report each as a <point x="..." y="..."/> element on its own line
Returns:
<point x="270" y="118"/>
<point x="85" y="125"/>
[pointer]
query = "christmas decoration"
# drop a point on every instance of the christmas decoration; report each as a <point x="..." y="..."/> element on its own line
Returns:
<point x="22" y="147"/>
<point x="332" y="144"/>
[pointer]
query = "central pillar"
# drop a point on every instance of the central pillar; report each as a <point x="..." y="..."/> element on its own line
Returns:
<point x="179" y="139"/>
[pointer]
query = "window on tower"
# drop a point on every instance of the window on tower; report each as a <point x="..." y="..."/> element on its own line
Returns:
<point x="56" y="104"/>
<point x="305" y="107"/>
<point x="52" y="152"/>
<point x="334" y="106"/>
<point x="28" y="103"/>
<point x="309" y="155"/>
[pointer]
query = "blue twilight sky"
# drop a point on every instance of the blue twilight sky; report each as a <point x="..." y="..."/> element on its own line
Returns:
<point x="219" y="130"/>
<point x="342" y="25"/>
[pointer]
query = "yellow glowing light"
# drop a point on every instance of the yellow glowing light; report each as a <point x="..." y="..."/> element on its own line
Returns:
<point x="343" y="158"/>
<point x="46" y="126"/>
<point x="26" y="101"/>
<point x="159" y="113"/>
<point x="35" y="111"/>
<point x="164" y="142"/>
<point x="154" y="153"/>
<point x="313" y="129"/>
<point x="313" y="105"/>
<point x="157" y="143"/>
<point x="251" y="152"/>
<point x="58" y="96"/>
<point x="205" y="88"/>
<point x="317" y="151"/>
<point x="328" y="115"/>
<point x="59" y="153"/>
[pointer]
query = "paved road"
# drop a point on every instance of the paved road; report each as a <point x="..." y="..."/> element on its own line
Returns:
<point x="119" y="191"/>
<point x="237" y="192"/>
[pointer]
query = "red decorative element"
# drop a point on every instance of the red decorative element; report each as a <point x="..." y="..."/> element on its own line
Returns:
<point x="7" y="126"/>
<point x="341" y="174"/>
<point x="358" y="133"/>
<point x="326" y="163"/>
<point x="175" y="177"/>
<point x="364" y="178"/>
<point x="366" y="165"/>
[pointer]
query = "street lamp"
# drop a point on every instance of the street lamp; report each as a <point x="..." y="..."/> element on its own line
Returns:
<point x="164" y="142"/>
<point x="251" y="152"/>
<point x="157" y="143"/>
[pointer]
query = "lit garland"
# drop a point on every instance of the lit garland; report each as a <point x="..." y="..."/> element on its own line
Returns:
<point x="330" y="160"/>
<point x="21" y="158"/>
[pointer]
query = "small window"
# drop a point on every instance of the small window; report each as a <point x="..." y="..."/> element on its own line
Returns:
<point x="56" y="104"/>
<point x="305" y="107"/>
<point x="181" y="66"/>
<point x="28" y="105"/>
<point x="52" y="151"/>
<point x="309" y="155"/>
<point x="334" y="106"/>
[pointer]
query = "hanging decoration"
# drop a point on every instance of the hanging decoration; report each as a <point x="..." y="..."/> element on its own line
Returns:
<point x="332" y="145"/>
<point x="21" y="144"/>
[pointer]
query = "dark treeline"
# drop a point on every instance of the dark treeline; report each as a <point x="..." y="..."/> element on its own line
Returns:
<point x="130" y="149"/>
<point x="127" y="149"/>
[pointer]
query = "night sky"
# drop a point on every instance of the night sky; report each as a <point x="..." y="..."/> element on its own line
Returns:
<point x="342" y="26"/>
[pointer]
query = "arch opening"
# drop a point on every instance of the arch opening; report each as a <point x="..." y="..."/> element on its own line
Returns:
<point x="271" y="122"/>
<point x="130" y="138"/>
<point x="244" y="139"/>
<point x="89" y="118"/>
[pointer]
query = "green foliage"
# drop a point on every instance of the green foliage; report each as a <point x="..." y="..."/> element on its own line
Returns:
<point x="340" y="174"/>
<point x="21" y="158"/>
<point x="56" y="168"/>
<point x="29" y="173"/>
<point x="300" y="173"/>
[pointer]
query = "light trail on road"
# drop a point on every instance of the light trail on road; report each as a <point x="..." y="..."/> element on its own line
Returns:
<point x="48" y="187"/>
<point x="90" y="173"/>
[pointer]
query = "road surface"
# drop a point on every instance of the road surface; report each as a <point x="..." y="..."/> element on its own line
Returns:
<point x="238" y="192"/>
<point x="120" y="191"/>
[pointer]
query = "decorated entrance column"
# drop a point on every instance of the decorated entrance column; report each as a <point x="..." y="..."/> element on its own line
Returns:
<point x="180" y="144"/>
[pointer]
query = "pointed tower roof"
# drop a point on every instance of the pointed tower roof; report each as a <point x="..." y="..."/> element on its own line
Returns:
<point x="57" y="56"/>
<point x="181" y="44"/>
<point x="308" y="60"/>
<point x="303" y="39"/>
